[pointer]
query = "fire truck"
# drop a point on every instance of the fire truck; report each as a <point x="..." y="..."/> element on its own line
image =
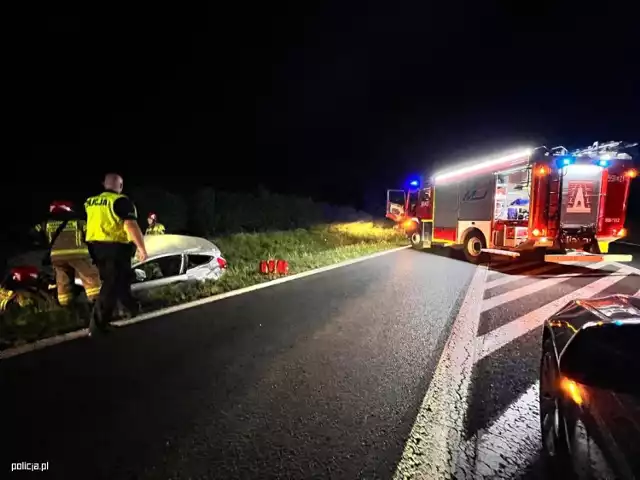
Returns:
<point x="568" y="205"/>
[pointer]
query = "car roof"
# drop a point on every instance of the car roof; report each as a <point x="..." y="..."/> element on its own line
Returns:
<point x="161" y="245"/>
<point x="584" y="313"/>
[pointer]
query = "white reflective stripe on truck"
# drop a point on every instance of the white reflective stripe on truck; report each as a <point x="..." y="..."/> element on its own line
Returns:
<point x="588" y="258"/>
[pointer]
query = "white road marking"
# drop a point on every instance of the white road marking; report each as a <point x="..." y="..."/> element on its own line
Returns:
<point x="496" y="339"/>
<point x="48" y="342"/>
<point x="509" y="444"/>
<point x="433" y="445"/>
<point x="513" y="278"/>
<point x="517" y="293"/>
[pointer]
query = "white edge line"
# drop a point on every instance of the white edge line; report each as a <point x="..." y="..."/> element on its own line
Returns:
<point x="65" y="337"/>
<point x="432" y="449"/>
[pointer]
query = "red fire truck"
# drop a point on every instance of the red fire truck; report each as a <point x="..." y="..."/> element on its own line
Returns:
<point x="571" y="204"/>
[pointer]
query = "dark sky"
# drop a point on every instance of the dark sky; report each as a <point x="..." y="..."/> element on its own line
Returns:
<point x="337" y="100"/>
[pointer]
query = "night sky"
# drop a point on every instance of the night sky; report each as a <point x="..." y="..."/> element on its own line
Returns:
<point x="336" y="100"/>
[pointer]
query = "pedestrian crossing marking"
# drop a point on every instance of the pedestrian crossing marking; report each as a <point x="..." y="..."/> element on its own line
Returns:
<point x="512" y="278"/>
<point x="492" y="302"/>
<point x="501" y="336"/>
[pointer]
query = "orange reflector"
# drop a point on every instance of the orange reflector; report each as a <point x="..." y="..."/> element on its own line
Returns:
<point x="542" y="171"/>
<point x="632" y="173"/>
<point x="572" y="390"/>
<point x="622" y="232"/>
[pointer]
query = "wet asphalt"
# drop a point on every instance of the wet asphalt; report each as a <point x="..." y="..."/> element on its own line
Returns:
<point x="321" y="377"/>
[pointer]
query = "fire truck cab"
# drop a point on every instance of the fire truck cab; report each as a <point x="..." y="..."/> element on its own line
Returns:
<point x="571" y="204"/>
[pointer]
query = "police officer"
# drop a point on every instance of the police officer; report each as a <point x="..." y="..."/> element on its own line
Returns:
<point x="69" y="254"/>
<point x="155" y="227"/>
<point x="112" y="234"/>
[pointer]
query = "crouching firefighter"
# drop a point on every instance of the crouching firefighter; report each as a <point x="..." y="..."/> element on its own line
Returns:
<point x="68" y="253"/>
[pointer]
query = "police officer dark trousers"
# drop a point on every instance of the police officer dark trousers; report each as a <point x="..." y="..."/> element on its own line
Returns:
<point x="113" y="235"/>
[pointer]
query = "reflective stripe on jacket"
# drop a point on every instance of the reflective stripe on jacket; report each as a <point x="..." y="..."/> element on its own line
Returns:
<point x="70" y="242"/>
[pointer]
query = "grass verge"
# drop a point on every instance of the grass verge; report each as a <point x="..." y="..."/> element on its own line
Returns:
<point x="303" y="249"/>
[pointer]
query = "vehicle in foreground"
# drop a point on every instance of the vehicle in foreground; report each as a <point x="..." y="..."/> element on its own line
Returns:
<point x="590" y="389"/>
<point x="570" y="205"/>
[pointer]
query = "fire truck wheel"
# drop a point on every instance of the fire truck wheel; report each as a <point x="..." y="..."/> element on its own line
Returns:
<point x="416" y="239"/>
<point x="474" y="242"/>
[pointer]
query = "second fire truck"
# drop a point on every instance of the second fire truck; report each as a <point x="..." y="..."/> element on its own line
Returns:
<point x="572" y="204"/>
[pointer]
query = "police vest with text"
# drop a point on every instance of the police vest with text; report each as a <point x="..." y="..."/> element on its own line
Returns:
<point x="103" y="225"/>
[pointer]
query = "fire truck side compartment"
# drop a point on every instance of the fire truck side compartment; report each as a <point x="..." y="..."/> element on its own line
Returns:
<point x="476" y="198"/>
<point x="446" y="211"/>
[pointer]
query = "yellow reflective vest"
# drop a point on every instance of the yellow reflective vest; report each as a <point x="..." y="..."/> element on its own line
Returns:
<point x="155" y="229"/>
<point x="103" y="225"/>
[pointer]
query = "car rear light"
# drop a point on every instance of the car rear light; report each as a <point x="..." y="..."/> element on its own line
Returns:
<point x="222" y="263"/>
<point x="631" y="173"/>
<point x="536" y="232"/>
<point x="620" y="233"/>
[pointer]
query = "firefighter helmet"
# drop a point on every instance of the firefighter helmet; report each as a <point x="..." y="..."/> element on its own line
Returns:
<point x="153" y="216"/>
<point x="60" y="206"/>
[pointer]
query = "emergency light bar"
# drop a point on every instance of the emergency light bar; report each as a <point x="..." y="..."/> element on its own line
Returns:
<point x="495" y="162"/>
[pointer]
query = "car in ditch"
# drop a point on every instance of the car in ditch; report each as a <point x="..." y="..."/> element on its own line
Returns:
<point x="590" y="389"/>
<point x="175" y="259"/>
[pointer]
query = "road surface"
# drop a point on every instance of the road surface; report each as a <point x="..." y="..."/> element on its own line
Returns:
<point x="328" y="376"/>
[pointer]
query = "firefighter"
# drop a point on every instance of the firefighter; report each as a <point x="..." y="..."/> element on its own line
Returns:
<point x="112" y="234"/>
<point x="69" y="254"/>
<point x="154" y="228"/>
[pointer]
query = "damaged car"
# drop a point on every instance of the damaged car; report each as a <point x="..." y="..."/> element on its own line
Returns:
<point x="175" y="259"/>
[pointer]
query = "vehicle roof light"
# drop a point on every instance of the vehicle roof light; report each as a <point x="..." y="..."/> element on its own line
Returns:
<point x="603" y="162"/>
<point x="413" y="183"/>
<point x="483" y="165"/>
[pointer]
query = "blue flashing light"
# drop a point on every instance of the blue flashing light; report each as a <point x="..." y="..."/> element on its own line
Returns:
<point x="414" y="183"/>
<point x="618" y="323"/>
<point x="603" y="163"/>
<point x="565" y="161"/>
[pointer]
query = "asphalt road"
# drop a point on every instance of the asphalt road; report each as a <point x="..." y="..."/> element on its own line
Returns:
<point x="329" y="376"/>
<point x="501" y="430"/>
<point x="321" y="377"/>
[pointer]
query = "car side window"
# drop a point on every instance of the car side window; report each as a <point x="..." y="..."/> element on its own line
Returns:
<point x="197" y="260"/>
<point x="158" y="268"/>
